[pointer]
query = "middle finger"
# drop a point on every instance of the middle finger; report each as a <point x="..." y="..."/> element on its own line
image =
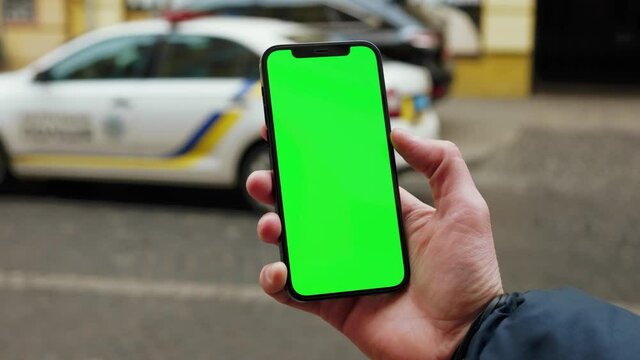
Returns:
<point x="270" y="228"/>
<point x="260" y="186"/>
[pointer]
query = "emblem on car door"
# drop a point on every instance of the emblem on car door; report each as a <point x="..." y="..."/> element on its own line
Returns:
<point x="114" y="126"/>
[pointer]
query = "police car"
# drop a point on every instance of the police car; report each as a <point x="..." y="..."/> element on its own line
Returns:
<point x="162" y="101"/>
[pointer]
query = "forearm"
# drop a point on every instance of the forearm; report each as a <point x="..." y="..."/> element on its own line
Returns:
<point x="560" y="324"/>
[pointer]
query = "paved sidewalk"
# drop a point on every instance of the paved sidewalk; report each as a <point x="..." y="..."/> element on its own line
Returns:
<point x="479" y="126"/>
<point x="561" y="175"/>
<point x="134" y="272"/>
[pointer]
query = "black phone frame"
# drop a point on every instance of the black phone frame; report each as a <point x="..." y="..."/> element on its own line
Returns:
<point x="328" y="49"/>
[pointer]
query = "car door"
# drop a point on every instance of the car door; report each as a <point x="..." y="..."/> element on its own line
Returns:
<point x="181" y="110"/>
<point x="79" y="105"/>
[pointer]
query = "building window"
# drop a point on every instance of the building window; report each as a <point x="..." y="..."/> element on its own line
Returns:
<point x="18" y="10"/>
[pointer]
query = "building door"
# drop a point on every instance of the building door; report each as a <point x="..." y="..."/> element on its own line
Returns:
<point x="588" y="41"/>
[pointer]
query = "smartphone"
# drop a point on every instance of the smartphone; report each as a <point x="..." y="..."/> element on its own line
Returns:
<point x="335" y="180"/>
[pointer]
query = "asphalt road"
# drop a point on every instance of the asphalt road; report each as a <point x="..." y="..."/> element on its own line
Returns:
<point x="93" y="271"/>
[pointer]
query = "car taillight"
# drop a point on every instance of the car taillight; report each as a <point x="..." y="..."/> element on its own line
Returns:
<point x="426" y="40"/>
<point x="394" y="103"/>
<point x="438" y="91"/>
<point x="176" y="16"/>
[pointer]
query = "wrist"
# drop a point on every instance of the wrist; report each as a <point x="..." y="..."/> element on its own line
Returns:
<point x="460" y="350"/>
<point x="451" y="339"/>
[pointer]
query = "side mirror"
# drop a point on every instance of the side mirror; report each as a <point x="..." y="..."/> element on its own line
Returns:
<point x="42" y="76"/>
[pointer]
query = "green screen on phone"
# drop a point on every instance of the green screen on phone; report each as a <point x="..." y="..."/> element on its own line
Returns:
<point x="335" y="171"/>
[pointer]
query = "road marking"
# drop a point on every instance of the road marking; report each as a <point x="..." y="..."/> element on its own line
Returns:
<point x="72" y="283"/>
<point x="17" y="280"/>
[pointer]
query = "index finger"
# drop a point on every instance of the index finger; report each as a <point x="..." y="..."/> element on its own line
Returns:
<point x="443" y="164"/>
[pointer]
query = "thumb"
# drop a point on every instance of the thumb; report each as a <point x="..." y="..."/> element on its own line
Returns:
<point x="442" y="163"/>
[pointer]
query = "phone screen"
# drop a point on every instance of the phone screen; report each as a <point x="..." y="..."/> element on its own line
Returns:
<point x="336" y="174"/>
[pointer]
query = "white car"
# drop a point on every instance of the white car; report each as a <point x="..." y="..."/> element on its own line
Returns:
<point x="161" y="101"/>
<point x="462" y="34"/>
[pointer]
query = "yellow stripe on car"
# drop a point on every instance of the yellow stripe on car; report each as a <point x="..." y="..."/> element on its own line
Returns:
<point x="202" y="149"/>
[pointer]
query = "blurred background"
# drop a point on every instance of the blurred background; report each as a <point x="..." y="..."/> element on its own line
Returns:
<point x="127" y="129"/>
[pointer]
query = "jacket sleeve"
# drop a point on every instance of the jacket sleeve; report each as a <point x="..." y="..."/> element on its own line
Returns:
<point x="561" y="324"/>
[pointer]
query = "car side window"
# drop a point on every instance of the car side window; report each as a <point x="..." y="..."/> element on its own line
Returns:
<point x="119" y="58"/>
<point x="192" y="56"/>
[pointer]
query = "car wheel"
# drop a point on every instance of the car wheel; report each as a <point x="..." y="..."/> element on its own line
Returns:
<point x="257" y="158"/>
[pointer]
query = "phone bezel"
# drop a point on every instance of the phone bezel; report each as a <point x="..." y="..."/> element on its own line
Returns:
<point x="277" y="191"/>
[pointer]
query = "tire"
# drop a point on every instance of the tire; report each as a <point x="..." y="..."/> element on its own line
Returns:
<point x="256" y="158"/>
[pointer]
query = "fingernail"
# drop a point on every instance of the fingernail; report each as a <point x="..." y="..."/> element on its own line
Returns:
<point x="407" y="133"/>
<point x="404" y="132"/>
<point x="399" y="132"/>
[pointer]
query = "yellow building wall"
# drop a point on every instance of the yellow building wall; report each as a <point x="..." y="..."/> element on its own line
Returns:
<point x="76" y="20"/>
<point x="497" y="75"/>
<point x="55" y="22"/>
<point x="505" y="68"/>
<point x="25" y="42"/>
<point x="108" y="12"/>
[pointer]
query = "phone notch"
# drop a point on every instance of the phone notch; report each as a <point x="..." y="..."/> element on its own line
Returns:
<point x="321" y="50"/>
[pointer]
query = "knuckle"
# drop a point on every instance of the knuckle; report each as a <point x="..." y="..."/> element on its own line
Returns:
<point x="451" y="149"/>
<point x="475" y="208"/>
<point x="481" y="210"/>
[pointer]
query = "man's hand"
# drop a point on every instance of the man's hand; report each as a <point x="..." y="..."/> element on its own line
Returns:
<point x="454" y="271"/>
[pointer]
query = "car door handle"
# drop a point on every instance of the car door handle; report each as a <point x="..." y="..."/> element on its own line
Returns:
<point x="121" y="103"/>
